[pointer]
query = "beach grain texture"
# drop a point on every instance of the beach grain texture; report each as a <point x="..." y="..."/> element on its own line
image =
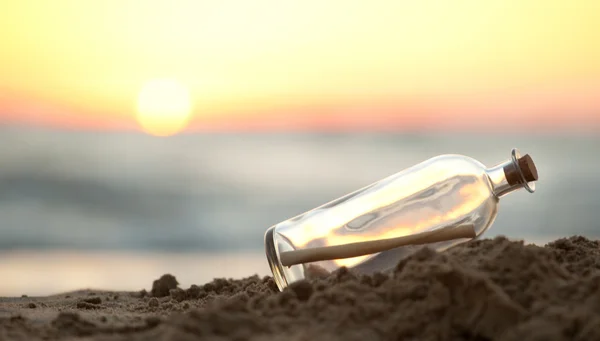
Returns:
<point x="492" y="289"/>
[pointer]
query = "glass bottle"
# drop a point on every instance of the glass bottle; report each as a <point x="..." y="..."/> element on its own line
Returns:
<point x="441" y="202"/>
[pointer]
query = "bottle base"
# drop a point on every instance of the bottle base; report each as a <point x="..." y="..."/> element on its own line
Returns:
<point x="273" y="259"/>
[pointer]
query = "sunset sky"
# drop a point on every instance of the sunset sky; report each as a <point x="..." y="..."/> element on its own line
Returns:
<point x="277" y="64"/>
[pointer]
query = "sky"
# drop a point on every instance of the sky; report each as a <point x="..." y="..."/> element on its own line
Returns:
<point x="272" y="64"/>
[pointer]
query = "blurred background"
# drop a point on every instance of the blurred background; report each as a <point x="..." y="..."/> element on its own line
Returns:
<point x="139" y="138"/>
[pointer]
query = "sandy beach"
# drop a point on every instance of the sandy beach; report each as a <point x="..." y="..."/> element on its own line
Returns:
<point x="493" y="289"/>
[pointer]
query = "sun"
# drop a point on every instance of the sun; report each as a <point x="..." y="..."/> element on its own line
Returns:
<point x="164" y="107"/>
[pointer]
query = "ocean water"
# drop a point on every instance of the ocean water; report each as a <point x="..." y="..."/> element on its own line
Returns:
<point x="216" y="194"/>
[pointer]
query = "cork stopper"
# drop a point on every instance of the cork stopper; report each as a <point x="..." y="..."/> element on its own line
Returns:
<point x="525" y="168"/>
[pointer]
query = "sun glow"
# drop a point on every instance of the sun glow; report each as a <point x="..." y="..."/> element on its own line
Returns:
<point x="164" y="107"/>
<point x="292" y="64"/>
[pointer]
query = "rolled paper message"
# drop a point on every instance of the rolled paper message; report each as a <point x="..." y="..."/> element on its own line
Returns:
<point x="350" y="250"/>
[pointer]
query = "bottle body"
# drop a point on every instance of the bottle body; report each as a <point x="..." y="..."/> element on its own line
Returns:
<point x="447" y="190"/>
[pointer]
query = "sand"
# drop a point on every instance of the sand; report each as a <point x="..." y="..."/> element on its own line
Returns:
<point x="492" y="289"/>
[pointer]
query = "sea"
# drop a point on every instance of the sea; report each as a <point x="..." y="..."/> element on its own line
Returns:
<point x="116" y="210"/>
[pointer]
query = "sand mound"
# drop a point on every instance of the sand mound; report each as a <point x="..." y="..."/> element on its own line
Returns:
<point x="484" y="290"/>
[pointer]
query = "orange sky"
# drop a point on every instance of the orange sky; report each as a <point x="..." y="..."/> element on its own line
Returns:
<point x="267" y="64"/>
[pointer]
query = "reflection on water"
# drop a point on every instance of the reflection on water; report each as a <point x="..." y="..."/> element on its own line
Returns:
<point x="126" y="196"/>
<point x="36" y="273"/>
<point x="215" y="192"/>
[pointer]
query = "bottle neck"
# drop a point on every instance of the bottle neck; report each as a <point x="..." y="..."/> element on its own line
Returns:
<point x="499" y="181"/>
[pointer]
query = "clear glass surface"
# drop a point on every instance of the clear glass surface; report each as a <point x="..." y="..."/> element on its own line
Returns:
<point x="443" y="191"/>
